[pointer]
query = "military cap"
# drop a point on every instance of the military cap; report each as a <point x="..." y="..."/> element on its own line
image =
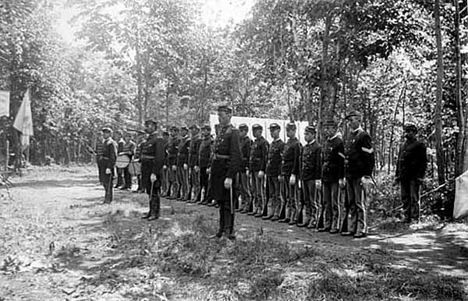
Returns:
<point x="275" y="126"/>
<point x="309" y="129"/>
<point x="257" y="127"/>
<point x="206" y="127"/>
<point x="291" y="126"/>
<point x="243" y="126"/>
<point x="329" y="122"/>
<point x="352" y="113"/>
<point x="106" y="129"/>
<point x="184" y="128"/>
<point x="151" y="121"/>
<point x="409" y="126"/>
<point x="194" y="127"/>
<point x="225" y="108"/>
<point x="165" y="133"/>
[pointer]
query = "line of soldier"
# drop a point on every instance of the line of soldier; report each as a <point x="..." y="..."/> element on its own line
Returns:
<point x="321" y="187"/>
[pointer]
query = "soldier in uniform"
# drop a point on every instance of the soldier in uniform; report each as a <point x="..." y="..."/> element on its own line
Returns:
<point x="141" y="139"/>
<point x="106" y="157"/>
<point x="411" y="167"/>
<point x="165" y="171"/>
<point x="129" y="150"/>
<point x="120" y="146"/>
<point x="311" y="167"/>
<point x="173" y="189"/>
<point x="152" y="160"/>
<point x="272" y="206"/>
<point x="224" y="167"/>
<point x="258" y="161"/>
<point x="359" y="164"/>
<point x="244" y="183"/>
<point x="194" y="173"/>
<point x="182" y="163"/>
<point x="203" y="163"/>
<point x="290" y="175"/>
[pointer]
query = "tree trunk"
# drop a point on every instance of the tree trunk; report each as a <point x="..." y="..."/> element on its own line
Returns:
<point x="438" y="107"/>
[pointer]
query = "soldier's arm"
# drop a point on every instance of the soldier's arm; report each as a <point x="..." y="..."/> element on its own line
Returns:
<point x="112" y="154"/>
<point x="368" y="154"/>
<point x="340" y="159"/>
<point x="297" y="159"/>
<point x="235" y="156"/>
<point x="319" y="161"/>
<point x="264" y="148"/>
<point x="422" y="155"/>
<point x="158" y="157"/>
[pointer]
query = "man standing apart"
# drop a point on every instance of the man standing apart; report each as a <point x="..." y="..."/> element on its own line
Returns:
<point x="332" y="172"/>
<point x="411" y="167"/>
<point x="273" y="171"/>
<point x="244" y="183"/>
<point x="290" y="175"/>
<point x="106" y="157"/>
<point x="310" y="176"/>
<point x="359" y="164"/>
<point x="258" y="161"/>
<point x="152" y="160"/>
<point x="224" y="167"/>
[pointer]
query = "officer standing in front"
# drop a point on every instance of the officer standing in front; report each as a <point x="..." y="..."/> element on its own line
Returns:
<point x="258" y="161"/>
<point x="106" y="157"/>
<point x="224" y="167"/>
<point x="411" y="167"/>
<point x="359" y="164"/>
<point x="152" y="160"/>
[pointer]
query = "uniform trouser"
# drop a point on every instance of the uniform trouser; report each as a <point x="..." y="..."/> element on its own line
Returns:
<point x="311" y="198"/>
<point x="127" y="178"/>
<point x="274" y="203"/>
<point x="120" y="179"/>
<point x="195" y="183"/>
<point x="173" y="186"/>
<point x="258" y="192"/>
<point x="290" y="199"/>
<point x="410" y="199"/>
<point x="203" y="185"/>
<point x="107" y="182"/>
<point x="226" y="218"/>
<point x="182" y="179"/>
<point x="331" y="205"/>
<point x="244" y="190"/>
<point x="152" y="188"/>
<point x="357" y="206"/>
<point x="164" y="180"/>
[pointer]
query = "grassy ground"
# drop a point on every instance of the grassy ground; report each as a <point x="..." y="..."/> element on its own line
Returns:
<point x="59" y="242"/>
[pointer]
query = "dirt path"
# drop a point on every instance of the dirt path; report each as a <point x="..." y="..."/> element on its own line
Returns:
<point x="55" y="237"/>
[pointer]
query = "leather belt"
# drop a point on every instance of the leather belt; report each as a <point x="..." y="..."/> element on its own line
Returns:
<point x="146" y="157"/>
<point x="221" y="157"/>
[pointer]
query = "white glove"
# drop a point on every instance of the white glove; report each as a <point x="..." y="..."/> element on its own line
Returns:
<point x="208" y="171"/>
<point x="366" y="182"/>
<point x="196" y="168"/>
<point x="228" y="183"/>
<point x="280" y="178"/>
<point x="153" y="177"/>
<point x="108" y="171"/>
<point x="164" y="166"/>
<point x="185" y="166"/>
<point x="247" y="172"/>
<point x="174" y="168"/>
<point x="292" y="180"/>
<point x="299" y="184"/>
<point x="261" y="174"/>
<point x="318" y="183"/>
<point x="342" y="182"/>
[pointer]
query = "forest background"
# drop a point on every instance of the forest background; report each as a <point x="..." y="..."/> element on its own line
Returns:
<point x="307" y="60"/>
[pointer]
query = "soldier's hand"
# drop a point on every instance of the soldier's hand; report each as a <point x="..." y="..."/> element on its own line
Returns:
<point x="208" y="171"/>
<point x="196" y="168"/>
<point x="299" y="184"/>
<point x="153" y="177"/>
<point x="292" y="180"/>
<point x="318" y="184"/>
<point x="342" y="183"/>
<point x="185" y="166"/>
<point x="280" y="178"/>
<point x="247" y="172"/>
<point x="174" y="168"/>
<point x="396" y="182"/>
<point x="366" y="181"/>
<point x="164" y="166"/>
<point x="419" y="181"/>
<point x="228" y="183"/>
<point x="108" y="171"/>
<point x="261" y="174"/>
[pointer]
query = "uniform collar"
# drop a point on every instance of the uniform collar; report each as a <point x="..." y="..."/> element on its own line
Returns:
<point x="122" y="140"/>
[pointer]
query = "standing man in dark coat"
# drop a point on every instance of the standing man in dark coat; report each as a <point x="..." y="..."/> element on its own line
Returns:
<point x="311" y="166"/>
<point x="203" y="163"/>
<point x="290" y="176"/>
<point x="359" y="164"/>
<point x="173" y="189"/>
<point x="272" y="205"/>
<point x="332" y="172"/>
<point x="152" y="160"/>
<point x="244" y="183"/>
<point x="120" y="146"/>
<point x="258" y="161"/>
<point x="224" y="167"/>
<point x="106" y="157"/>
<point x="194" y="173"/>
<point x="182" y="163"/>
<point x="165" y="171"/>
<point x="411" y="167"/>
<point x="129" y="150"/>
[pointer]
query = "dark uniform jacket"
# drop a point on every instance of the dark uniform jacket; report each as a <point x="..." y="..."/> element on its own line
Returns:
<point x="226" y="160"/>
<point x="107" y="153"/>
<point x="259" y="155"/>
<point x="291" y="157"/>
<point x="120" y="146"/>
<point x="412" y="161"/>
<point x="129" y="148"/>
<point x="275" y="157"/>
<point x="359" y="154"/>
<point x="183" y="151"/>
<point x="194" y="147"/>
<point x="204" y="152"/>
<point x="172" y="150"/>
<point x="152" y="154"/>
<point x="311" y="161"/>
<point x="333" y="159"/>
<point x="245" y="145"/>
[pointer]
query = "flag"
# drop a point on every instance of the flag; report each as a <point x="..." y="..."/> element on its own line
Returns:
<point x="23" y="121"/>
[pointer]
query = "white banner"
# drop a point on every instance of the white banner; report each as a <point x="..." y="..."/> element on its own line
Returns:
<point x="4" y="103"/>
<point x="460" y="208"/>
